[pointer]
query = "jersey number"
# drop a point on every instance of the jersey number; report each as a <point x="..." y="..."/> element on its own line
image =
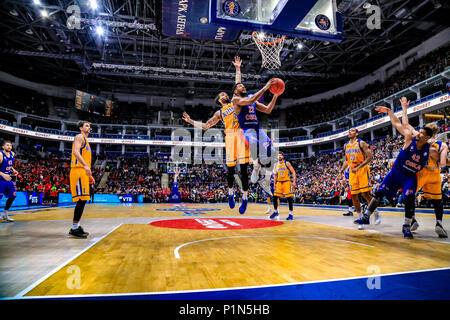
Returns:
<point x="251" y="109"/>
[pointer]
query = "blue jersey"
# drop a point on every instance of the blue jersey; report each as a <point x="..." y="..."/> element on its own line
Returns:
<point x="247" y="117"/>
<point x="412" y="160"/>
<point x="347" y="173"/>
<point x="7" y="164"/>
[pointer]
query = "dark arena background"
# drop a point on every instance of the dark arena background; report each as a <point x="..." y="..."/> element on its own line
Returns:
<point x="141" y="139"/>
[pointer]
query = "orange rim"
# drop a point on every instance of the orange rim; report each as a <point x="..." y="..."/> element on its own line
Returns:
<point x="267" y="43"/>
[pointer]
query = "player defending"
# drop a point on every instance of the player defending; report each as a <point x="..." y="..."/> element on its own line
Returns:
<point x="235" y="147"/>
<point x="7" y="187"/>
<point x="245" y="108"/>
<point x="429" y="179"/>
<point x="412" y="158"/>
<point x="282" y="184"/>
<point x="80" y="177"/>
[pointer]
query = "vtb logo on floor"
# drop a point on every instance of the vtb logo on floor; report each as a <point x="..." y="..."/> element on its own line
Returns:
<point x="189" y="211"/>
<point x="216" y="223"/>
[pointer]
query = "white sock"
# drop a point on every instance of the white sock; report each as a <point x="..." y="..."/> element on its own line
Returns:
<point x="75" y="225"/>
<point x="439" y="221"/>
<point x="290" y="213"/>
<point x="408" y="221"/>
<point x="245" y="195"/>
<point x="230" y="191"/>
<point x="5" y="212"/>
<point x="350" y="209"/>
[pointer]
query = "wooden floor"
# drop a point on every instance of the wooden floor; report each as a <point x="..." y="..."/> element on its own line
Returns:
<point x="125" y="253"/>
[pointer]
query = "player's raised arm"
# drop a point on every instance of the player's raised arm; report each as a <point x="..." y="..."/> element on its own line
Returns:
<point x="245" y="101"/>
<point x="294" y="175"/>
<point x="443" y="155"/>
<point x="237" y="62"/>
<point x="267" y="109"/>
<point x="405" y="122"/>
<point x="198" y="124"/>
<point x="406" y="132"/>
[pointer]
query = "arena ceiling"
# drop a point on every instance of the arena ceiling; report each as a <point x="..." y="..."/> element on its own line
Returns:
<point x="44" y="49"/>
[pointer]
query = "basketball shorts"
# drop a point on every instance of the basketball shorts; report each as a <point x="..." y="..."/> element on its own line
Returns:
<point x="79" y="184"/>
<point x="430" y="181"/>
<point x="235" y="148"/>
<point x="360" y="181"/>
<point x="395" y="180"/>
<point x="7" y="189"/>
<point x="259" y="144"/>
<point x="283" y="188"/>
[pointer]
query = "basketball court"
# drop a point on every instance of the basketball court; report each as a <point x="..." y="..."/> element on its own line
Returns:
<point x="181" y="49"/>
<point x="201" y="251"/>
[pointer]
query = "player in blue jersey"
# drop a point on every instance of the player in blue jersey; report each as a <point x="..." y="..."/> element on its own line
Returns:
<point x="7" y="187"/>
<point x="412" y="158"/>
<point x="261" y="147"/>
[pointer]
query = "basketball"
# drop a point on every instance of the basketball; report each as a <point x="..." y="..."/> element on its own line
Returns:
<point x="277" y="87"/>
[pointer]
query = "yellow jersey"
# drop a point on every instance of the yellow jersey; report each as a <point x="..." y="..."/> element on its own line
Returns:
<point x="354" y="154"/>
<point x="432" y="164"/>
<point x="282" y="172"/>
<point x="229" y="118"/>
<point x="86" y="154"/>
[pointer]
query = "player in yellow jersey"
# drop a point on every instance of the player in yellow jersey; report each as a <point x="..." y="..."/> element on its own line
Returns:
<point x="80" y="176"/>
<point x="358" y="156"/>
<point x="235" y="148"/>
<point x="283" y="185"/>
<point x="429" y="178"/>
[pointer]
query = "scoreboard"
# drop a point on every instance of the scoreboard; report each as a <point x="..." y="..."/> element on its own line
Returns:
<point x="94" y="104"/>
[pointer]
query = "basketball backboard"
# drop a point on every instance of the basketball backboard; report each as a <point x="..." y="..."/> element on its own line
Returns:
<point x="223" y="20"/>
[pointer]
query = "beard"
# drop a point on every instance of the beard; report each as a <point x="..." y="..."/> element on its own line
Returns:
<point x="243" y="94"/>
<point x="226" y="101"/>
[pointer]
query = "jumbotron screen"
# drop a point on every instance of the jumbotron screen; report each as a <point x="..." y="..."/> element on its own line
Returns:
<point x="94" y="104"/>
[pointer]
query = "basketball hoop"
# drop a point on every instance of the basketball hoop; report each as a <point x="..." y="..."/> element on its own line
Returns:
<point x="270" y="47"/>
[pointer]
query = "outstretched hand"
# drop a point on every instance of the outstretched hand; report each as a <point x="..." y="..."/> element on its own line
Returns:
<point x="382" y="109"/>
<point x="237" y="62"/>
<point x="186" y="117"/>
<point x="404" y="102"/>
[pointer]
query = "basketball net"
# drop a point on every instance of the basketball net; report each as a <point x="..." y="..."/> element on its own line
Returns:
<point x="270" y="47"/>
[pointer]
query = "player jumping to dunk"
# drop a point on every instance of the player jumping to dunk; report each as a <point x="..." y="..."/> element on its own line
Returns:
<point x="235" y="148"/>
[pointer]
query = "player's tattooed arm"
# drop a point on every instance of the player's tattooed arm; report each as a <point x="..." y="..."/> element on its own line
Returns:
<point x="368" y="155"/>
<point x="237" y="62"/>
<point x="245" y="101"/>
<point x="405" y="122"/>
<point x="266" y="109"/>
<point x="444" y="155"/>
<point x="406" y="132"/>
<point x="200" y="125"/>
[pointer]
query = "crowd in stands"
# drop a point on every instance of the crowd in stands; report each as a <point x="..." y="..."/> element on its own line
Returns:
<point x="340" y="105"/>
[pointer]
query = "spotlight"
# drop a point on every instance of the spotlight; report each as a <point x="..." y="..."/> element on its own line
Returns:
<point x="93" y="4"/>
<point x="366" y="5"/>
<point x="44" y="13"/>
<point x="203" y="20"/>
<point x="99" y="30"/>
<point x="299" y="45"/>
<point x="37" y="2"/>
